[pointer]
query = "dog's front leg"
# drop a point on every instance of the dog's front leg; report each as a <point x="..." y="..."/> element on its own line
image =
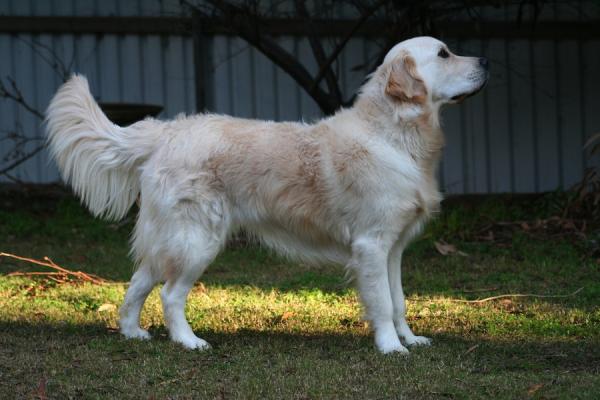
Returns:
<point x="395" y="278"/>
<point x="369" y="260"/>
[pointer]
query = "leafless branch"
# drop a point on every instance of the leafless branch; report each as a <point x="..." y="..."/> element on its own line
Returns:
<point x="319" y="53"/>
<point x="21" y="160"/>
<point x="12" y="178"/>
<point x="47" y="54"/>
<point x="60" y="275"/>
<point x="10" y="90"/>
<point x="13" y="93"/>
<point x="326" y="65"/>
<point x="18" y="154"/>
<point x="399" y="19"/>
<point x="245" y="23"/>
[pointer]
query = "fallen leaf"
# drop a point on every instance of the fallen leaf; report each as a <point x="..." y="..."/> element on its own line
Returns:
<point x="287" y="315"/>
<point x="40" y="393"/>
<point x="106" y="307"/>
<point x="534" y="388"/>
<point x="445" y="248"/>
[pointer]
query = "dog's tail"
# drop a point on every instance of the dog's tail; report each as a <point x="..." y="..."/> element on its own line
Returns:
<point x="98" y="158"/>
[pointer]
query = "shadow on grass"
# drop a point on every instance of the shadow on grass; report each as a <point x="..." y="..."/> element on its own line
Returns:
<point x="484" y="355"/>
<point x="89" y="361"/>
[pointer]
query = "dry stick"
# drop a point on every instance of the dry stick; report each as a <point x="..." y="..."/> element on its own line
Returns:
<point x="51" y="264"/>
<point x="20" y="273"/>
<point x="517" y="295"/>
<point x="79" y="274"/>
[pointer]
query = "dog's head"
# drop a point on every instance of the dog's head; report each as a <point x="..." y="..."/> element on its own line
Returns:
<point x="422" y="74"/>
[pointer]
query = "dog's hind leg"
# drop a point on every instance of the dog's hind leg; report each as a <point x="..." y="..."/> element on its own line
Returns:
<point x="140" y="287"/>
<point x="194" y="242"/>
<point x="176" y="289"/>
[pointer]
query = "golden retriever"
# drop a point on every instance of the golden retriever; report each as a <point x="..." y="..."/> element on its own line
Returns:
<point x="351" y="189"/>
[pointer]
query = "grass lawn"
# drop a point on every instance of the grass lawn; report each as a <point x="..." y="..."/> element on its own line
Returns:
<point x="288" y="331"/>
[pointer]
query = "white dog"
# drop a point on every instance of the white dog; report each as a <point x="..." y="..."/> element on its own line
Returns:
<point x="351" y="189"/>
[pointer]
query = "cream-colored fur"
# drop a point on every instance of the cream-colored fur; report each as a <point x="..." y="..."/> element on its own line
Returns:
<point x="351" y="189"/>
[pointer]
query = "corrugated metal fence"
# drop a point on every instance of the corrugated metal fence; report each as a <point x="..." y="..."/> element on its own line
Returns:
<point x="524" y="133"/>
<point x="154" y="69"/>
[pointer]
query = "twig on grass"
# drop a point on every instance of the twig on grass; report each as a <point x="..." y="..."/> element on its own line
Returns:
<point x="471" y="349"/>
<point x="63" y="275"/>
<point x="503" y="296"/>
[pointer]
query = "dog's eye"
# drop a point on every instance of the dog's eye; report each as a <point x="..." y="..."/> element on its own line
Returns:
<point x="443" y="53"/>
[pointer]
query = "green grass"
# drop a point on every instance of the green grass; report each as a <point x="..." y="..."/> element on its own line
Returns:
<point x="284" y="330"/>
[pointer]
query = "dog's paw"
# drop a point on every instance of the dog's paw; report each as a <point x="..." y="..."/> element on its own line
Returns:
<point x="390" y="345"/>
<point x="386" y="339"/>
<point x="393" y="349"/>
<point x="136" y="333"/>
<point x="418" y="341"/>
<point x="193" y="343"/>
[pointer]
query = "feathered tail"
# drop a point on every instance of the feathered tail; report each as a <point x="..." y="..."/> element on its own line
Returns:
<point x="98" y="158"/>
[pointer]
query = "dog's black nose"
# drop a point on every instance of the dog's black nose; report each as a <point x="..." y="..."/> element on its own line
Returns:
<point x="484" y="63"/>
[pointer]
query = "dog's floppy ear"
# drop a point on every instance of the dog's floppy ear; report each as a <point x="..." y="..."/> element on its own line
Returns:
<point x="404" y="83"/>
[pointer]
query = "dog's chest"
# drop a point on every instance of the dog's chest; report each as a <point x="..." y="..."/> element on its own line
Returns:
<point x="428" y="163"/>
<point x="427" y="196"/>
